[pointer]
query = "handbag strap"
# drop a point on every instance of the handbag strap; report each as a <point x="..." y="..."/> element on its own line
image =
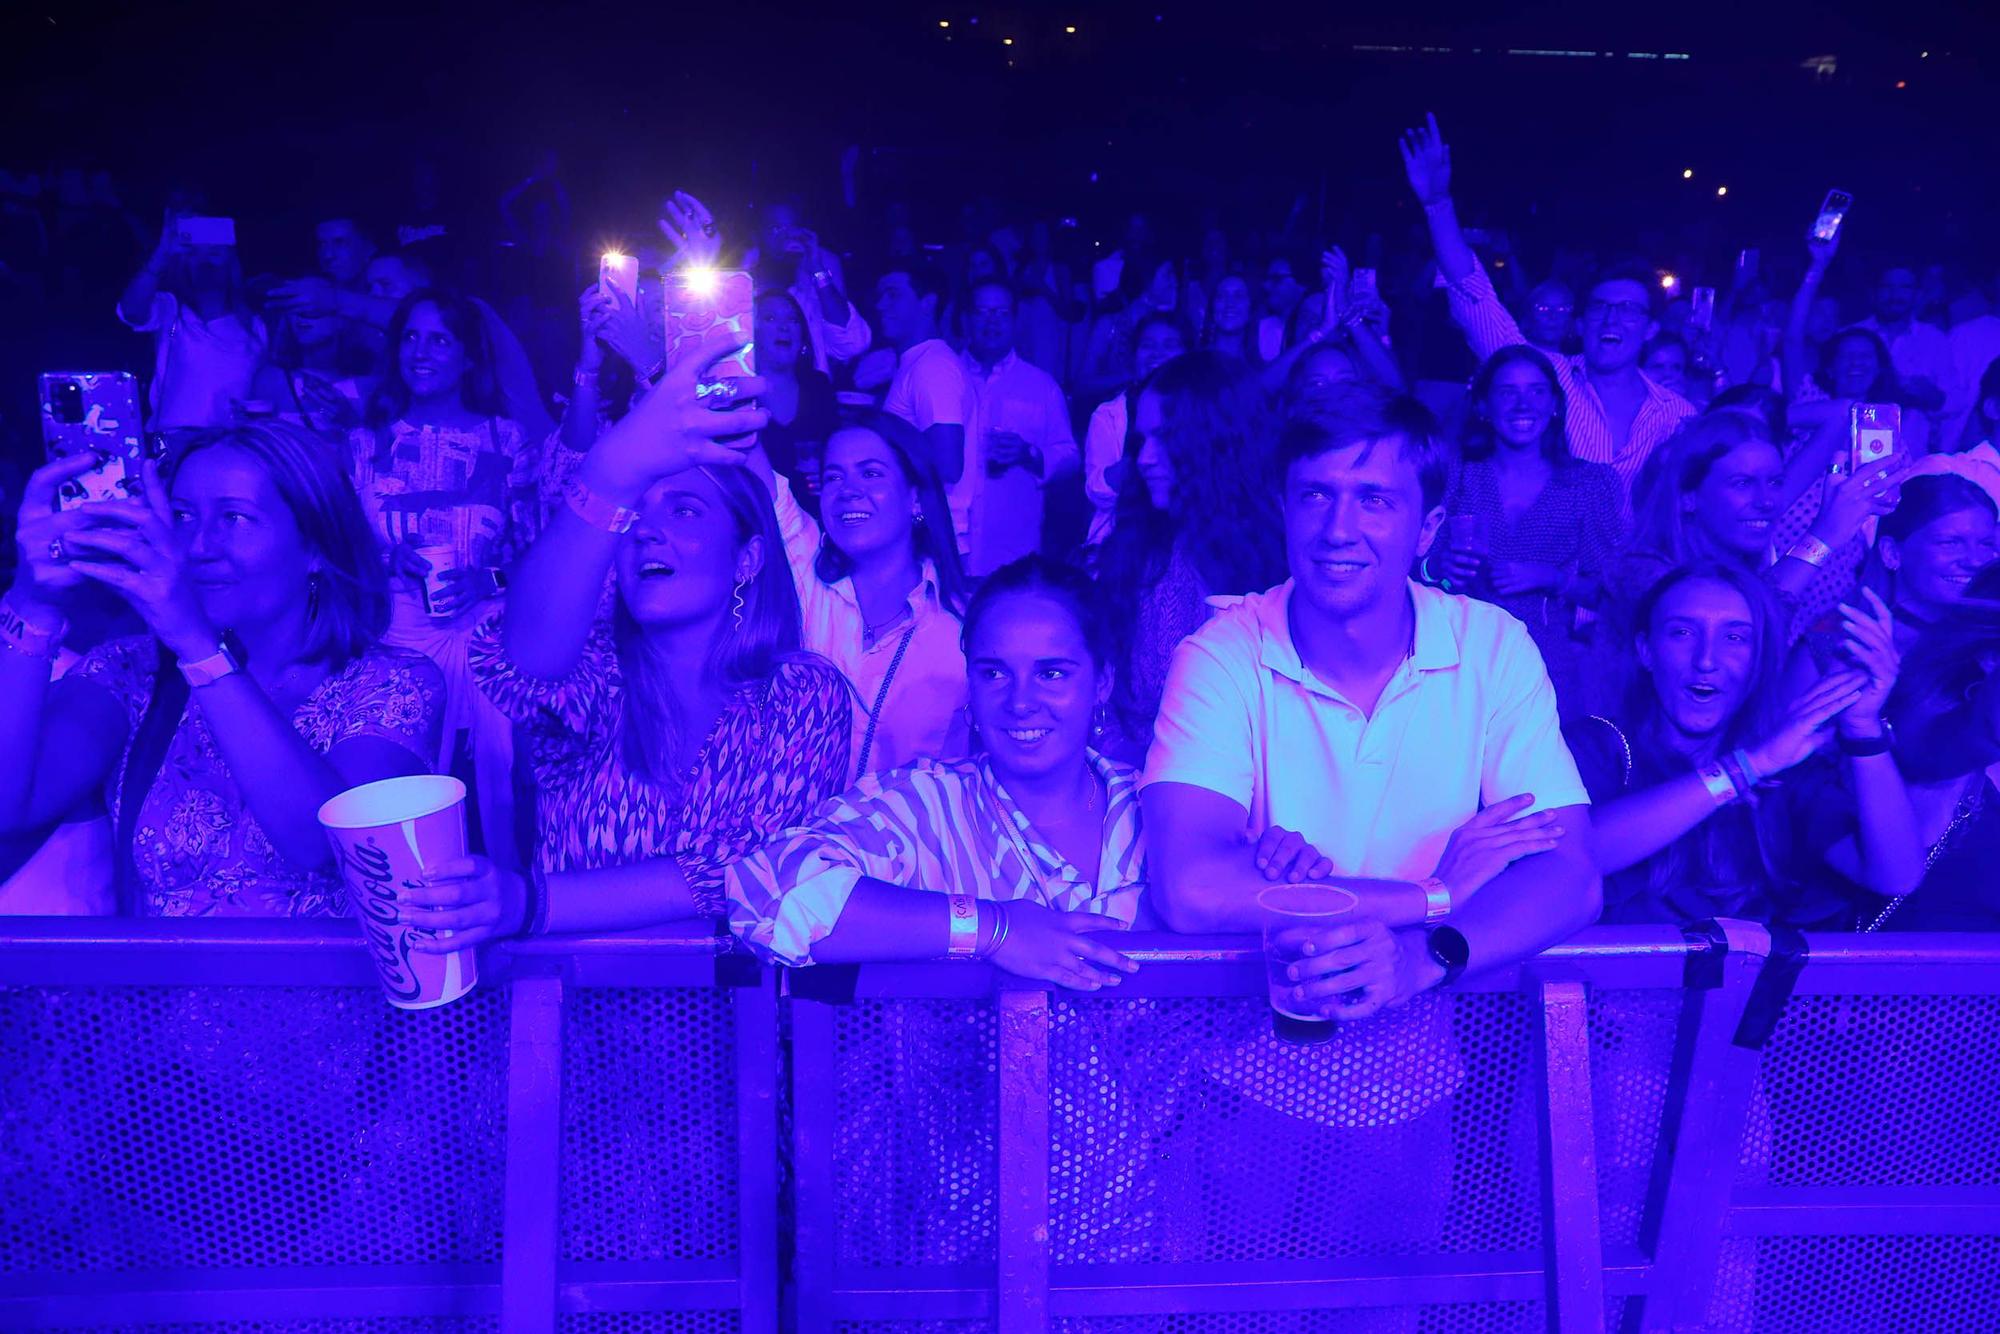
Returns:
<point x="143" y="759"/>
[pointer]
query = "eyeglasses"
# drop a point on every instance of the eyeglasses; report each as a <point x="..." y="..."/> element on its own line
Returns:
<point x="1625" y="312"/>
<point x="1542" y="309"/>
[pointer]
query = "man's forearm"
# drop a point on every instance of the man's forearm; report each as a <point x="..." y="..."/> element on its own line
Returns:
<point x="1535" y="903"/>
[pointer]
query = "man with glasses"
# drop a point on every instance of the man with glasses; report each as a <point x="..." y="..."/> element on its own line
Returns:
<point x="1617" y="415"/>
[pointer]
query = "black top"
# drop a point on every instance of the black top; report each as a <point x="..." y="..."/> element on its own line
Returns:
<point x="815" y="421"/>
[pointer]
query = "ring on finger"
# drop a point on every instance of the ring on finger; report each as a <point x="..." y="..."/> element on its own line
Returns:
<point x="57" y="552"/>
<point x="708" y="229"/>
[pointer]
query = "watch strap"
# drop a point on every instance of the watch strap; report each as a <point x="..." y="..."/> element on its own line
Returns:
<point x="207" y="671"/>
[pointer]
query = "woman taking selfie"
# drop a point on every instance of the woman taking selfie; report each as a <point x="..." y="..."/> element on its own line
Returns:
<point x="259" y="693"/>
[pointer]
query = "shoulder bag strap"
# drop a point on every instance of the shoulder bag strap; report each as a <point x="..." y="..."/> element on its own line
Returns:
<point x="143" y="759"/>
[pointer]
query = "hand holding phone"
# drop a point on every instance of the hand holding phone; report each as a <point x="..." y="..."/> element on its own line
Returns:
<point x="1832" y="213"/>
<point x="194" y="231"/>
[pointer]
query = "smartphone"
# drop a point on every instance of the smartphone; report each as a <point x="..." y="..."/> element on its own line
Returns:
<point x="113" y="478"/>
<point x="1832" y="212"/>
<point x="1873" y="430"/>
<point x="205" y="231"/>
<point x="1747" y="264"/>
<point x="1701" y="309"/>
<point x="710" y="311"/>
<point x="1361" y="283"/>
<point x="96" y="411"/>
<point x="619" y="273"/>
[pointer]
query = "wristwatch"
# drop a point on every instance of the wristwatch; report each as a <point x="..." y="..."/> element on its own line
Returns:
<point x="207" y="671"/>
<point x="1860" y="747"/>
<point x="1448" y="949"/>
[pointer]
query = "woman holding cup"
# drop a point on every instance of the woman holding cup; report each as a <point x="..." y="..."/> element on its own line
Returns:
<point x="260" y="692"/>
<point x="450" y="488"/>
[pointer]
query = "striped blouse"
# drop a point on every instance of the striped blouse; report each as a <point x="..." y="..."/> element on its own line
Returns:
<point x="944" y="826"/>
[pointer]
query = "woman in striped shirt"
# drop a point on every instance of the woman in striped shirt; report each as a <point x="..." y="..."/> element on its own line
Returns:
<point x="1021" y="855"/>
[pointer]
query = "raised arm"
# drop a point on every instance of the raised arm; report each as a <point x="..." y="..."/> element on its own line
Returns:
<point x="1474" y="304"/>
<point x="1794" y="358"/>
<point x="135" y="305"/>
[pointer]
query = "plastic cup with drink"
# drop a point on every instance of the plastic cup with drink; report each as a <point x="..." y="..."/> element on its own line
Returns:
<point x="1293" y="915"/>
<point x="443" y="560"/>
<point x="1471" y="537"/>
<point x="385" y="837"/>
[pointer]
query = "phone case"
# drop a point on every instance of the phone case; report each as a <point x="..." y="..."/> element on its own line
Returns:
<point x="91" y="410"/>
<point x="620" y="273"/>
<point x="109" y="480"/>
<point x="709" y="312"/>
<point x="1831" y="213"/>
<point x="206" y="231"/>
<point x="1873" y="431"/>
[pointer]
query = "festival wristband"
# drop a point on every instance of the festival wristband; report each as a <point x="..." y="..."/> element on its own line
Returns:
<point x="963" y="942"/>
<point x="1437" y="898"/>
<point x="604" y="515"/>
<point x="1811" y="551"/>
<point x="1716" y="779"/>
<point x="26" y="638"/>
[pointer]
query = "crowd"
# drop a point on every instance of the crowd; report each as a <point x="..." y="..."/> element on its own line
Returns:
<point x="1007" y="607"/>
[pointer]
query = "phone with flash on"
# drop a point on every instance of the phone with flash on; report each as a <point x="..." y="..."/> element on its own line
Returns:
<point x="1832" y="212"/>
<point x="619" y="273"/>
<point x="710" y="312"/>
<point x="1874" y="434"/>
<point x="205" y="231"/>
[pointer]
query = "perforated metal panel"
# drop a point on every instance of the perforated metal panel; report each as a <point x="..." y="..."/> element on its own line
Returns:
<point x="915" y="1153"/>
<point x="649" y="1125"/>
<point x="230" y="1127"/>
<point x="650" y="1322"/>
<point x="1878" y="1285"/>
<point x="372" y="1325"/>
<point x="1632" y="1036"/>
<point x="1467" y="1318"/>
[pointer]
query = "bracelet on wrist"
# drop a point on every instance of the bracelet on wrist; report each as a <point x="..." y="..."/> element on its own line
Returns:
<point x="1719" y="784"/>
<point x="1751" y="773"/>
<point x="23" y="636"/>
<point x="535" y="912"/>
<point x="1811" y="550"/>
<point x="604" y="515"/>
<point x="1001" y="920"/>
<point x="962" y="940"/>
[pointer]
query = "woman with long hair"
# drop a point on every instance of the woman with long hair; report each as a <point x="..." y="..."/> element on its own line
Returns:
<point x="1157" y="340"/>
<point x="1197" y="524"/>
<point x="1704" y="803"/>
<point x="259" y="691"/>
<point x="208" y="341"/>
<point x="650" y="650"/>
<point x="880" y="590"/>
<point x="1530" y="528"/>
<point x="451" y="489"/>
<point x="798" y="396"/>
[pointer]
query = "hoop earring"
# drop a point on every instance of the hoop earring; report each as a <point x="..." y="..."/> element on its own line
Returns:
<point x="736" y="604"/>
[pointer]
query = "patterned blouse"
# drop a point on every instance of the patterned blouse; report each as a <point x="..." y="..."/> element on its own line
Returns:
<point x="944" y="826"/>
<point x="779" y="749"/>
<point x="198" y="849"/>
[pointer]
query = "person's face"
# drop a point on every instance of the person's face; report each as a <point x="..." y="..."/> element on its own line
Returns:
<point x="979" y="266"/>
<point x="208" y="265"/>
<point x="866" y="502"/>
<point x="431" y="358"/>
<point x="1934" y="564"/>
<point x="1155" y="465"/>
<point x="343" y="254"/>
<point x="1895" y="295"/>
<point x="1355" y="522"/>
<point x="1319" y="371"/>
<point x="246" y="558"/>
<point x="782" y="230"/>
<point x="990" y="330"/>
<point x="1856" y="365"/>
<point x="1616" y="324"/>
<point x="1736" y="505"/>
<point x="314" y="330"/>
<point x="1160" y="344"/>
<point x="780" y="335"/>
<point x="1551" y="312"/>
<point x="683" y="560"/>
<point x="1520" y="404"/>
<point x="1701" y="651"/>
<point x="1232" y="305"/>
<point x="390" y="278"/>
<point x="1282" y="289"/>
<point x="903" y="314"/>
<point x="1164" y="291"/>
<point x="1668" y="365"/>
<point x="1032" y="685"/>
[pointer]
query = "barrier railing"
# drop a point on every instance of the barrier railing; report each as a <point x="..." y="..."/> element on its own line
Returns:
<point x="223" y="1121"/>
<point x="204" y="1124"/>
<point x="1582" y="1143"/>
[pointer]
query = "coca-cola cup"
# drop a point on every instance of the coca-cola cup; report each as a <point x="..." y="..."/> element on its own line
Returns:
<point x="385" y="836"/>
<point x="1293" y="915"/>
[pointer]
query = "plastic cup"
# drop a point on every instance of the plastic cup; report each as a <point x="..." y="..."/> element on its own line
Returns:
<point x="443" y="559"/>
<point x="1469" y="533"/>
<point x="384" y="835"/>
<point x="1290" y="913"/>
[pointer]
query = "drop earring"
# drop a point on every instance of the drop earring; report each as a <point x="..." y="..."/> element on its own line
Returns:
<point x="736" y="604"/>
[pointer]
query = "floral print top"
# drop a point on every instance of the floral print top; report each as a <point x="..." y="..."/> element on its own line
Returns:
<point x="197" y="847"/>
<point x="778" y="751"/>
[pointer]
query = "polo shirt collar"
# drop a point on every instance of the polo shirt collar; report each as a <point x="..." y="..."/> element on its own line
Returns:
<point x="973" y="366"/>
<point x="1435" y="647"/>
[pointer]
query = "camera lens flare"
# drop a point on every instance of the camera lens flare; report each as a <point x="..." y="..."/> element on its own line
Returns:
<point x="701" y="281"/>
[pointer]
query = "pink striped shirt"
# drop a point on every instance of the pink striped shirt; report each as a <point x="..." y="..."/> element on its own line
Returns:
<point x="1488" y="328"/>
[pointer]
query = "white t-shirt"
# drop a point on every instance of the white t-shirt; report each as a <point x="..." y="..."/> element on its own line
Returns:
<point x="999" y="519"/>
<point x="929" y="386"/>
<point x="1468" y="719"/>
<point x="200" y="368"/>
<point x="1103" y="446"/>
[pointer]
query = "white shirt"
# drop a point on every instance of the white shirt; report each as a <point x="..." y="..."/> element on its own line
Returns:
<point x="928" y="387"/>
<point x="1103" y="447"/>
<point x="999" y="519"/>
<point x="1468" y="719"/>
<point x="1975" y="345"/>
<point x="831" y="343"/>
<point x="201" y="369"/>
<point x="923" y="709"/>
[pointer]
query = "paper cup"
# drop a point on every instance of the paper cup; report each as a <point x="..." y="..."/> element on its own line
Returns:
<point x="384" y="835"/>
<point x="443" y="559"/>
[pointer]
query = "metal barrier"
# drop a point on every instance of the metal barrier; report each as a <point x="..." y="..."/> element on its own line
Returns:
<point x="219" y="1125"/>
<point x="222" y="1121"/>
<point x="1635" y="1131"/>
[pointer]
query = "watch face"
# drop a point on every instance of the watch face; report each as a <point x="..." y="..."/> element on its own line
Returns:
<point x="1449" y="948"/>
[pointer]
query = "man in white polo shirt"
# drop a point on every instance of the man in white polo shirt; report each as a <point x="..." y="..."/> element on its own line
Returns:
<point x="928" y="390"/>
<point x="1394" y="730"/>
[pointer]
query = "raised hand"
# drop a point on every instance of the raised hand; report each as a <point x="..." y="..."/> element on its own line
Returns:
<point x="41" y="534"/>
<point x="674" y="428"/>
<point x="593" y="310"/>
<point x="1870" y="644"/>
<point x="134" y="549"/>
<point x="1427" y="162"/>
<point x="1806" y="726"/>
<point x="690" y="229"/>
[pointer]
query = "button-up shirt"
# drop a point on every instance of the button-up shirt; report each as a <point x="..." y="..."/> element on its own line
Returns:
<point x="1488" y="328"/>
<point x="829" y="342"/>
<point x="999" y="518"/>
<point x="921" y="713"/>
